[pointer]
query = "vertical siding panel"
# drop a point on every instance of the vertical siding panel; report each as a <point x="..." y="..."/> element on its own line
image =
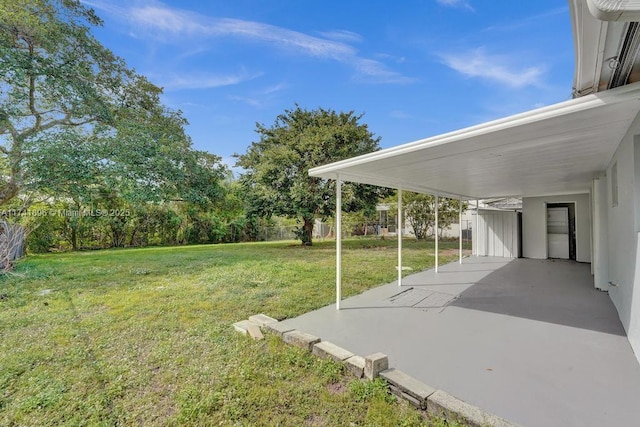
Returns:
<point x="497" y="234"/>
<point x="514" y="235"/>
<point x="512" y="228"/>
<point x="508" y="235"/>
<point x="490" y="234"/>
<point x="485" y="235"/>
<point x="481" y="236"/>
<point x="499" y="243"/>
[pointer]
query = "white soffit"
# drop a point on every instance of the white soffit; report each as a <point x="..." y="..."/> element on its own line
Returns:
<point x="552" y="150"/>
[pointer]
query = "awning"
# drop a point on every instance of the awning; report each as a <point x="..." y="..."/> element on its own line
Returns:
<point x="557" y="149"/>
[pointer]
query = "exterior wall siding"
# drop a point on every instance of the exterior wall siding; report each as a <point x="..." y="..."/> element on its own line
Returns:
<point x="497" y="234"/>
<point x="623" y="233"/>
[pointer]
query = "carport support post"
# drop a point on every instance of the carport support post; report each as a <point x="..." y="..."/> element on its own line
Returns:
<point x="460" y="225"/>
<point x="436" y="229"/>
<point x="477" y="239"/>
<point x="399" y="232"/>
<point x="338" y="241"/>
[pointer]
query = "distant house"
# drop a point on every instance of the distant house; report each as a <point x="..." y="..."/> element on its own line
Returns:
<point x="575" y="165"/>
<point x="387" y="224"/>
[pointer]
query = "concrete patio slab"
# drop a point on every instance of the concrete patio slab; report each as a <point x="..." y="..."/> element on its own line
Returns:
<point x="529" y="340"/>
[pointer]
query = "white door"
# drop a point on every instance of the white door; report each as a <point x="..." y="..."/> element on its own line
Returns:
<point x="558" y="232"/>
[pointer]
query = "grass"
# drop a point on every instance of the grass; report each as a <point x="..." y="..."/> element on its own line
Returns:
<point x="144" y="337"/>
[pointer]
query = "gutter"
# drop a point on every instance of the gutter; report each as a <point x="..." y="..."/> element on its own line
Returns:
<point x="615" y="10"/>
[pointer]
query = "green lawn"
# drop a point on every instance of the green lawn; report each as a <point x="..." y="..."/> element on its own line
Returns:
<point x="144" y="336"/>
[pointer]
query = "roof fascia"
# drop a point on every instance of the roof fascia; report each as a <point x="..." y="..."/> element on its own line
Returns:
<point x="613" y="96"/>
<point x="615" y="10"/>
<point x="587" y="31"/>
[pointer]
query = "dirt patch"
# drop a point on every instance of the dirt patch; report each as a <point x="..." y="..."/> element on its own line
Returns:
<point x="315" y="420"/>
<point x="336" y="388"/>
<point x="447" y="252"/>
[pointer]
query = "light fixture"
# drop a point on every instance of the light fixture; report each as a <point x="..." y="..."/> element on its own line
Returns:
<point x="613" y="62"/>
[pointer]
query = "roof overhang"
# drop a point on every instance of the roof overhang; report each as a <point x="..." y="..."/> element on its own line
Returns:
<point x="557" y="149"/>
<point x="615" y="10"/>
<point x="607" y="44"/>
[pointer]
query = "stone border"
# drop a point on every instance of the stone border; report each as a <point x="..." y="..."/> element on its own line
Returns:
<point x="423" y="397"/>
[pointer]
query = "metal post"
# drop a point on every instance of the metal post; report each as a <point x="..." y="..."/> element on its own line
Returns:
<point x="436" y="233"/>
<point x="399" y="232"/>
<point x="460" y="225"/>
<point x="338" y="241"/>
<point x="477" y="239"/>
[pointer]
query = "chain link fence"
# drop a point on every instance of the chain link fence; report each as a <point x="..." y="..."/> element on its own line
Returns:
<point x="324" y="230"/>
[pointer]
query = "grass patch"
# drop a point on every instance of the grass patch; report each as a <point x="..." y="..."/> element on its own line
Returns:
<point x="144" y="337"/>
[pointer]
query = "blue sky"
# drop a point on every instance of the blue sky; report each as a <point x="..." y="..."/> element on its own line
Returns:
<point x="415" y="68"/>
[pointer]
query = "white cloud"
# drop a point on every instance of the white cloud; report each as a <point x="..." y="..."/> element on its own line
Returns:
<point x="161" y="23"/>
<point x="497" y="68"/>
<point x="399" y="114"/>
<point x="463" y="4"/>
<point x="275" y="88"/>
<point x="104" y="6"/>
<point x="165" y="20"/>
<point x="160" y="20"/>
<point x="398" y="59"/>
<point x="342" y="35"/>
<point x="375" y="72"/>
<point x="529" y="21"/>
<point x="204" y="81"/>
<point x="253" y="102"/>
<point x="259" y="98"/>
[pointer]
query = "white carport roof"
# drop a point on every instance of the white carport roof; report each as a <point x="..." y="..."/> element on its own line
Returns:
<point x="557" y="149"/>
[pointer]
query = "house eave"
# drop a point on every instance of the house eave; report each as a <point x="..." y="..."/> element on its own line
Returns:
<point x="553" y="128"/>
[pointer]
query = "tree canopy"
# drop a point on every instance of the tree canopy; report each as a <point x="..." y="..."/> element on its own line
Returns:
<point x="420" y="211"/>
<point x="74" y="117"/>
<point x="276" y="178"/>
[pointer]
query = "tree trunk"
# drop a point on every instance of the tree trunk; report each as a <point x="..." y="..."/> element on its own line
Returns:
<point x="330" y="232"/>
<point x="307" y="234"/>
<point x="8" y="192"/>
<point x="12" y="242"/>
<point x="74" y="238"/>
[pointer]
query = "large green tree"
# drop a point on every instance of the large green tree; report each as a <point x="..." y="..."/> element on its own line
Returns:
<point x="87" y="175"/>
<point x="276" y="178"/>
<point x="76" y="121"/>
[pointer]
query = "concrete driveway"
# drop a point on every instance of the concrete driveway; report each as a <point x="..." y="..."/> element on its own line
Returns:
<point x="531" y="341"/>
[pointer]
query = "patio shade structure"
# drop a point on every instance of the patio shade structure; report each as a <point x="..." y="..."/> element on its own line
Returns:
<point x="557" y="149"/>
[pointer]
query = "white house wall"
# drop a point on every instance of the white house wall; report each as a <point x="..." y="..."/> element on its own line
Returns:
<point x="453" y="230"/>
<point x="497" y="234"/>
<point x="623" y="244"/>
<point x="600" y="241"/>
<point x="534" y="225"/>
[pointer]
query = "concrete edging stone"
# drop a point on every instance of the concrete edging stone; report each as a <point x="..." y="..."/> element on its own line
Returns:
<point x="420" y="395"/>
<point x="300" y="339"/>
<point x="328" y="350"/>
<point x="406" y="386"/>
